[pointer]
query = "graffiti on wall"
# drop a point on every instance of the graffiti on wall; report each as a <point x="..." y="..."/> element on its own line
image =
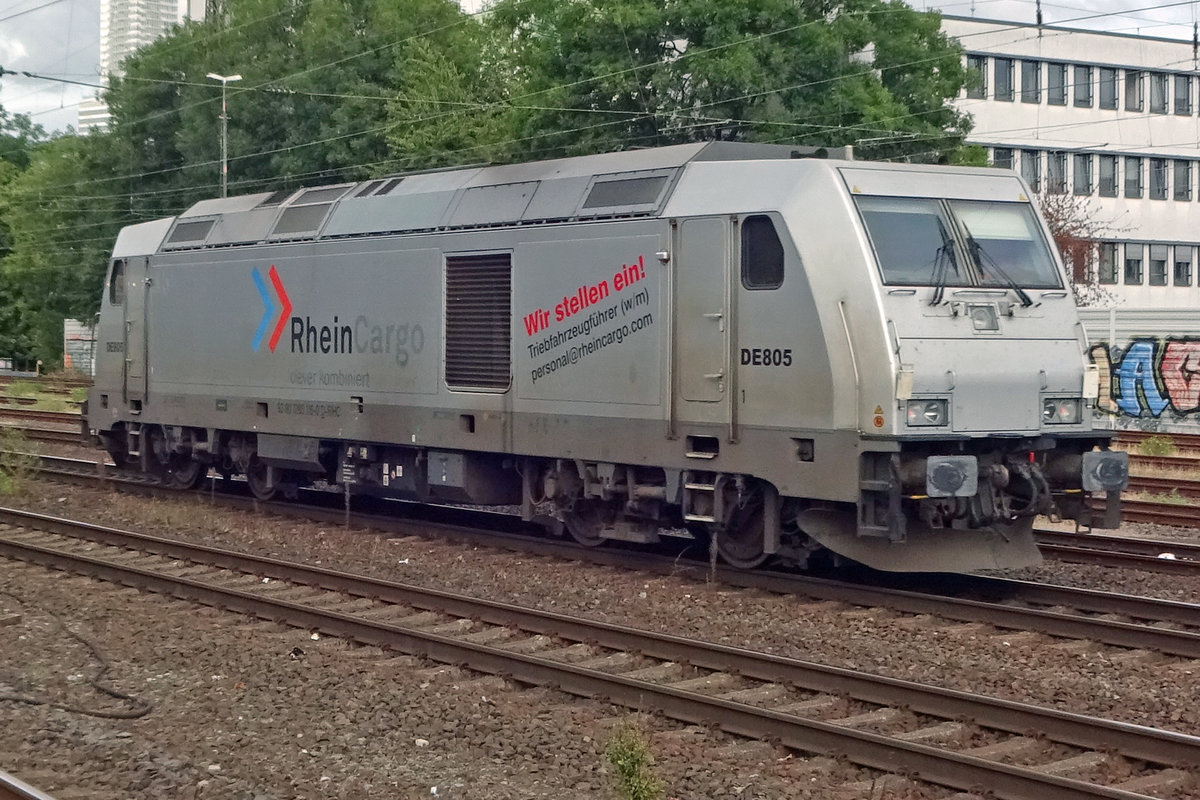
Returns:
<point x="1150" y="377"/>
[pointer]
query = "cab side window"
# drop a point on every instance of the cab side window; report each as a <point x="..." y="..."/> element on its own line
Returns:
<point x="116" y="284"/>
<point x="762" y="253"/>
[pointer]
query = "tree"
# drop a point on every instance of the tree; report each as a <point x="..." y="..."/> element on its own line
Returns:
<point x="605" y="74"/>
<point x="1077" y="231"/>
<point x="62" y="229"/>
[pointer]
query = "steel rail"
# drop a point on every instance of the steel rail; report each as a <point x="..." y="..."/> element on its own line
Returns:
<point x="944" y="605"/>
<point x="929" y="763"/>
<point x="1180" y="516"/>
<point x="45" y="434"/>
<point x="40" y="415"/>
<point x="1002" y="714"/>
<point x="1172" y="487"/>
<point x="1080" y="553"/>
<point x="1122" y="544"/>
<point x="13" y="788"/>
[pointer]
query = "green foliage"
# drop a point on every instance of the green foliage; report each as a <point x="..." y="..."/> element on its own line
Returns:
<point x="970" y="155"/>
<point x="630" y="757"/>
<point x="605" y="74"/>
<point x="1157" y="446"/>
<point x="18" y="462"/>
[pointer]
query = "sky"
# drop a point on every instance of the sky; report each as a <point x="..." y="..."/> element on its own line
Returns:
<point x="61" y="39"/>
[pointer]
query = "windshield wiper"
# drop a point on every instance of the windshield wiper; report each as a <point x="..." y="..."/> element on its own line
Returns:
<point x="980" y="256"/>
<point x="941" y="268"/>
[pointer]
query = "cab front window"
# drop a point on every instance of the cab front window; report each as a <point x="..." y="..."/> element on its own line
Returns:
<point x="958" y="243"/>
<point x="911" y="240"/>
<point x="1006" y="244"/>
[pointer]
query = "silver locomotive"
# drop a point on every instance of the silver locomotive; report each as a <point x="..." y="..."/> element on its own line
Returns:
<point x="784" y="355"/>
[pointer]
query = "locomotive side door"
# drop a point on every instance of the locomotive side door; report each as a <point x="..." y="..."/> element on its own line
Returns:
<point x="135" y="329"/>
<point x="701" y="281"/>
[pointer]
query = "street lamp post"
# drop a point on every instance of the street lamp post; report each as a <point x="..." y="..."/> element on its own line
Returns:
<point x="225" y="81"/>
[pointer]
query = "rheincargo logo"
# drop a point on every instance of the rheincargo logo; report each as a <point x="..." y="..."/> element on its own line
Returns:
<point x="365" y="335"/>
<point x="269" y="305"/>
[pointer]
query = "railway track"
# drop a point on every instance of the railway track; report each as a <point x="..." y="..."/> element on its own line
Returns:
<point x="72" y="419"/>
<point x="1187" y="445"/>
<point x="1121" y="551"/>
<point x="1128" y="621"/>
<point x="876" y="722"/>
<point x="13" y="788"/>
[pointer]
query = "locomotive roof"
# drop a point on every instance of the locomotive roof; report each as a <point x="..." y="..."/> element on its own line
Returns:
<point x="624" y="184"/>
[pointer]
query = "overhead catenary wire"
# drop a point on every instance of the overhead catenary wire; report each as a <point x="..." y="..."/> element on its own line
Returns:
<point x="501" y="106"/>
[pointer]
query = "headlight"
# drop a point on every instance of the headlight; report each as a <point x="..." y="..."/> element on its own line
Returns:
<point x="927" y="413"/>
<point x="1061" y="411"/>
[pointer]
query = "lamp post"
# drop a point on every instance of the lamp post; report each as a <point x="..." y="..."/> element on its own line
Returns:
<point x="225" y="81"/>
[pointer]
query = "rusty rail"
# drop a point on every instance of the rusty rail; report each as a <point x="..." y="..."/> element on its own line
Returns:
<point x="12" y="788"/>
<point x="930" y="763"/>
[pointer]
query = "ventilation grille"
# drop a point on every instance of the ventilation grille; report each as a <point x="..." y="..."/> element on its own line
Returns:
<point x="479" y="322"/>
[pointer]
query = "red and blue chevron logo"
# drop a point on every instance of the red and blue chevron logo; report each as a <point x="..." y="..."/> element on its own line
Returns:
<point x="284" y="308"/>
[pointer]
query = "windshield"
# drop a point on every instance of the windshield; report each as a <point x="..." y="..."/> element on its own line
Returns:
<point x="915" y="246"/>
<point x="1006" y="244"/>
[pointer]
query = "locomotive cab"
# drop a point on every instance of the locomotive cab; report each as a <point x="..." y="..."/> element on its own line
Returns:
<point x="992" y="396"/>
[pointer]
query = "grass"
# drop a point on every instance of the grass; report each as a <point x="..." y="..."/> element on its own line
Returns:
<point x="23" y="389"/>
<point x="630" y="756"/>
<point x="1171" y="498"/>
<point x="18" y="463"/>
<point x="1157" y="446"/>
<point x="46" y="398"/>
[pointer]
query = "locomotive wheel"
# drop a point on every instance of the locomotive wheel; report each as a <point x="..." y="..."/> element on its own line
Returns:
<point x="585" y="521"/>
<point x="186" y="473"/>
<point x="256" y="478"/>
<point x="742" y="544"/>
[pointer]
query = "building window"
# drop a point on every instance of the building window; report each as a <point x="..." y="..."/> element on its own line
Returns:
<point x="1183" y="95"/>
<point x="1082" y="175"/>
<point x="977" y="66"/>
<point x="1183" y="265"/>
<point x="1056" y="173"/>
<point x="1004" y="78"/>
<point x="1031" y="169"/>
<point x="1031" y="81"/>
<point x="1083" y="85"/>
<point x="1158" y="265"/>
<point x="1133" y="90"/>
<point x="1107" y="271"/>
<point x="1133" y="264"/>
<point x="1158" y="93"/>
<point x="1002" y="157"/>
<point x="1056" y="84"/>
<point x="1108" y="176"/>
<point x="1158" y="179"/>
<point x="1133" y="176"/>
<point x="1108" y="87"/>
<point x="1183" y="180"/>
